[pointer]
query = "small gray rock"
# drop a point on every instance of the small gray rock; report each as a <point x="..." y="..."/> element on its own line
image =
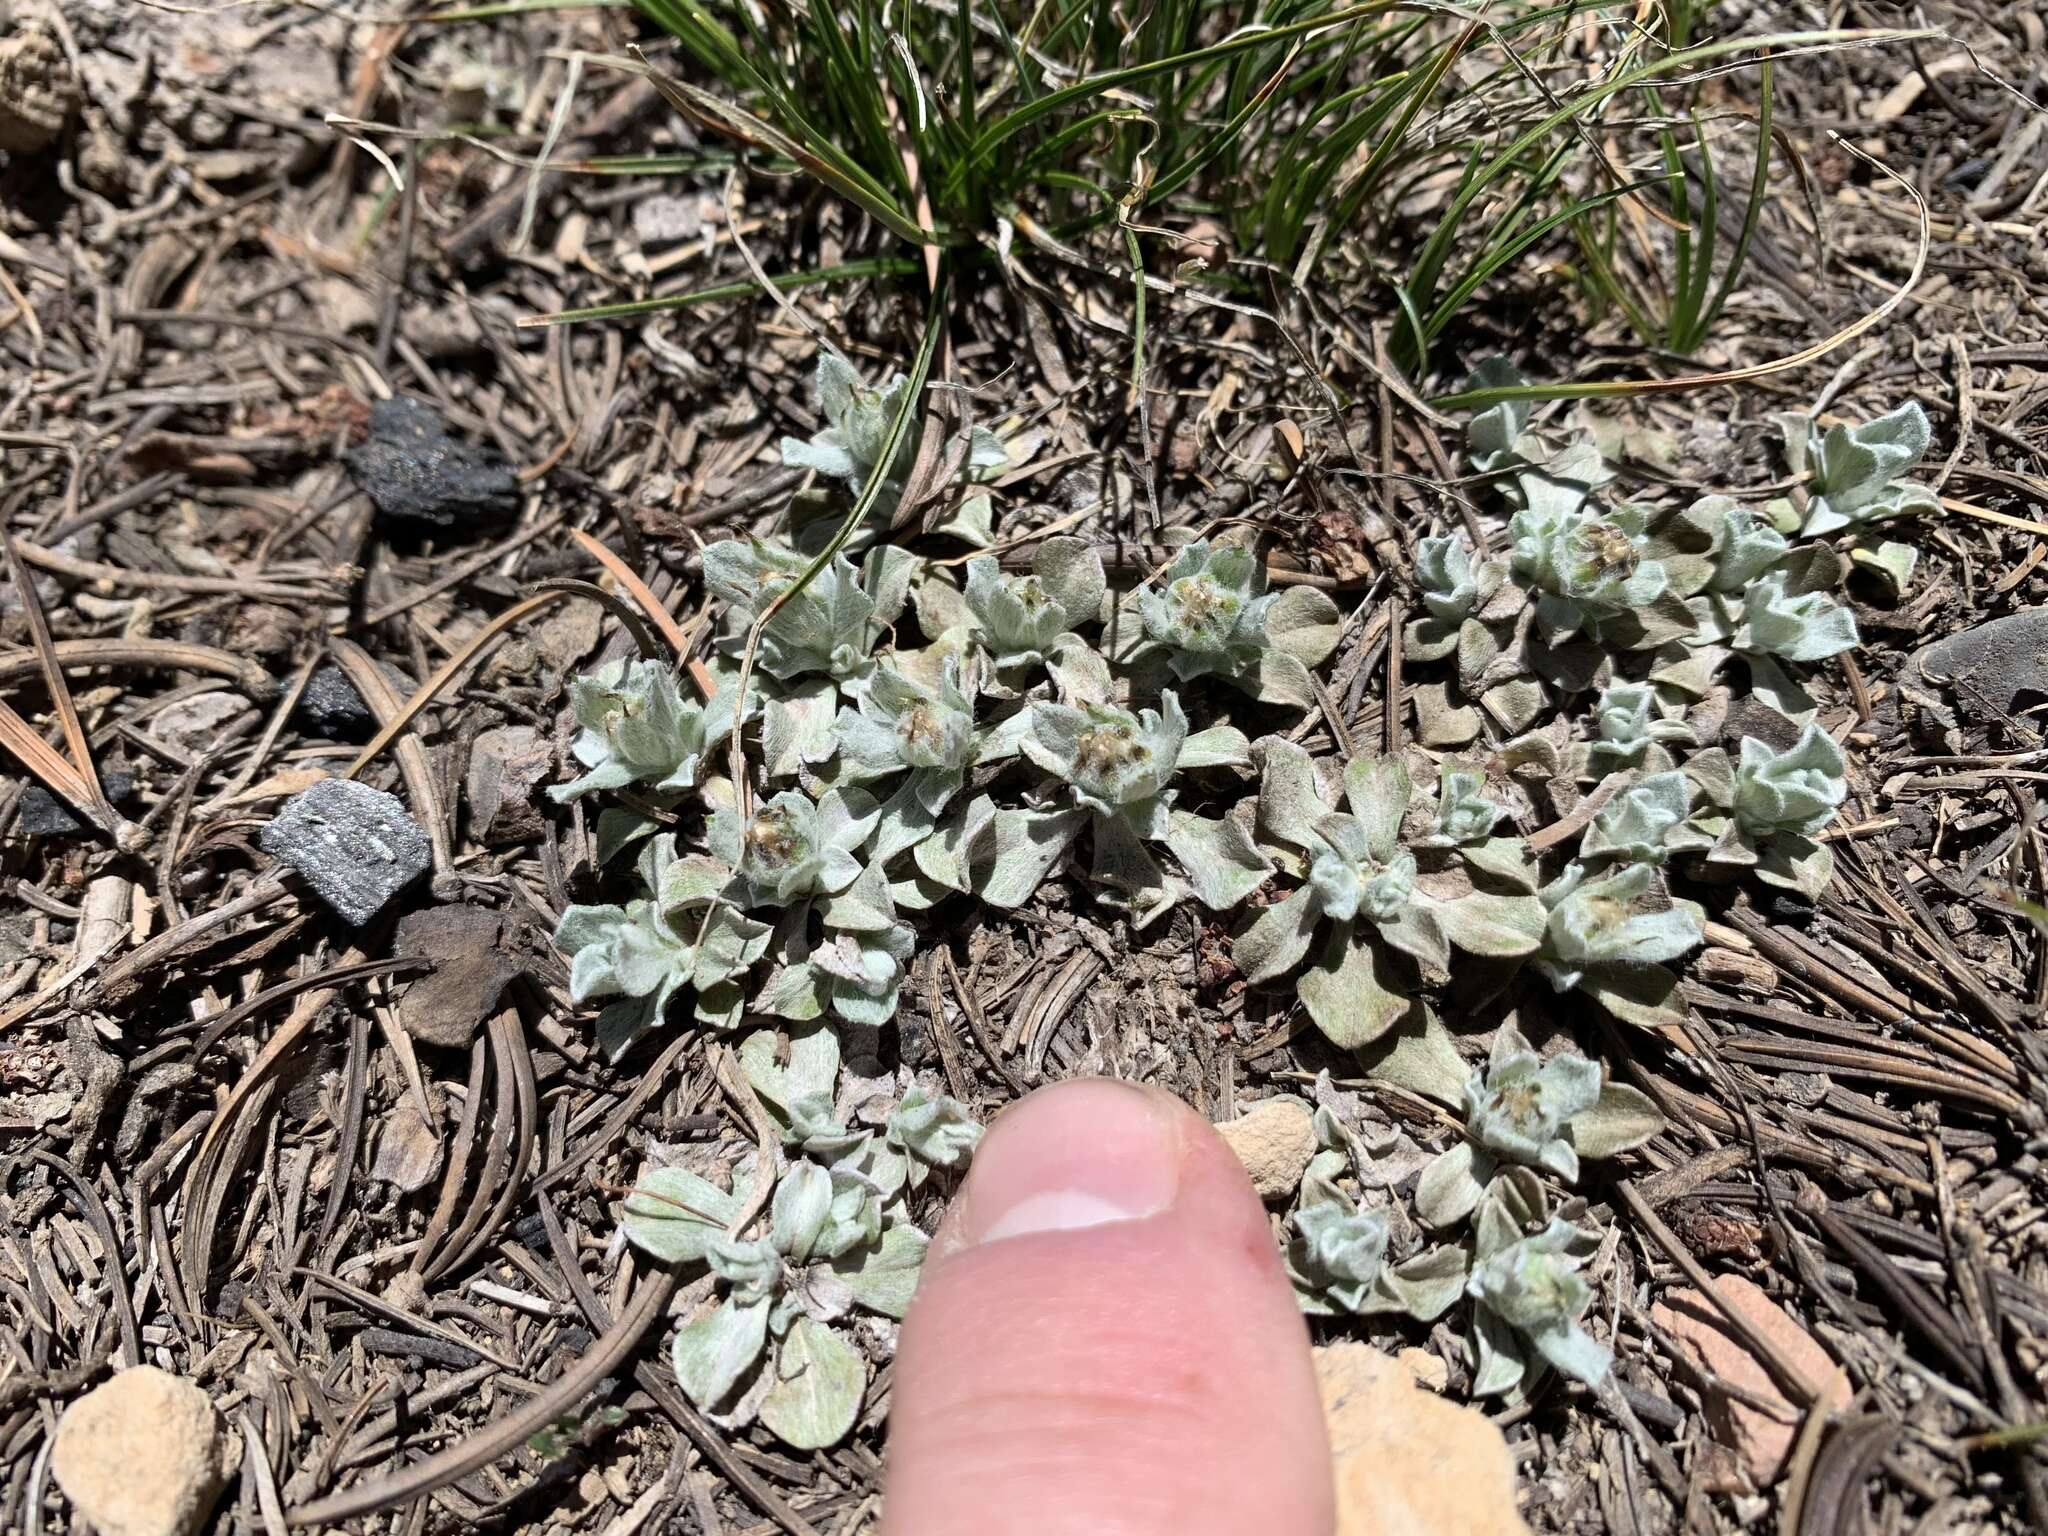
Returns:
<point x="330" y="705"/>
<point x="416" y="473"/>
<point x="42" y="814"/>
<point x="356" y="846"/>
<point x="1992" y="664"/>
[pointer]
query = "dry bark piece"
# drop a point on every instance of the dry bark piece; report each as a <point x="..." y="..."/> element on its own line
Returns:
<point x="357" y="847"/>
<point x="38" y="91"/>
<point x="408" y="1148"/>
<point x="143" y="1454"/>
<point x="1406" y="1462"/>
<point x="473" y="960"/>
<point x="1274" y="1140"/>
<point x="506" y="765"/>
<point x="1760" y="1440"/>
<point x="417" y="473"/>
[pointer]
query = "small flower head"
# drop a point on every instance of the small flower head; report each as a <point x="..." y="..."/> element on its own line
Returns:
<point x="1112" y="757"/>
<point x="1208" y="609"/>
<point x="1520" y="1107"/>
<point x="795" y="847"/>
<point x="899" y="723"/>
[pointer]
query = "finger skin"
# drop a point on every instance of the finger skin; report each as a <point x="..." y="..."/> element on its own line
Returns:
<point x="1133" y="1378"/>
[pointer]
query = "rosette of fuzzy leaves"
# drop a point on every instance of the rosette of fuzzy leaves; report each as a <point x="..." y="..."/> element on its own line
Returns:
<point x="634" y="727"/>
<point x="1761" y="810"/>
<point x="1853" y="473"/>
<point x="1528" y="1295"/>
<point x="1473" y="613"/>
<point x="685" y="932"/>
<point x="1610" y="936"/>
<point x="1634" y="731"/>
<point x="1209" y="614"/>
<point x="1524" y="1110"/>
<point x="898" y="725"/>
<point x="1371" y="893"/>
<point x="837" y="1237"/>
<point x="830" y="625"/>
<point x="1119" y="766"/>
<point x="849" y="447"/>
<point x="1029" y="620"/>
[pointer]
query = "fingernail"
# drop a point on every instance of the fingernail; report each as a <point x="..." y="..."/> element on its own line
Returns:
<point x="1082" y="1154"/>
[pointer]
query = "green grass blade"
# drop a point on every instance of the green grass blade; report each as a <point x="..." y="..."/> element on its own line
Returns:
<point x="627" y="309"/>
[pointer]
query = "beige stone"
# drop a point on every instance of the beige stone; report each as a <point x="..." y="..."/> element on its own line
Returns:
<point x="1274" y="1140"/>
<point x="1406" y="1462"/>
<point x="1428" y="1370"/>
<point x="1760" y="1439"/>
<point x="143" y="1454"/>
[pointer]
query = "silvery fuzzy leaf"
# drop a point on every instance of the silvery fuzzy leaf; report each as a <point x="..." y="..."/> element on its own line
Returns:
<point x="1350" y="991"/>
<point x="1746" y="546"/>
<point x="1855" y="470"/>
<point x="1515" y="704"/>
<point x="1281" y="678"/>
<point x="1496" y="926"/>
<point x="1303" y="623"/>
<point x="797" y="728"/>
<point x="672" y="1213"/>
<point x="1277" y="939"/>
<point x="1447" y="578"/>
<point x="1415" y="928"/>
<point x="1424" y="1287"/>
<point x="1809" y="627"/>
<point x="1290" y="804"/>
<point x="1079" y="672"/>
<point x="1507" y="860"/>
<point x="751" y="1266"/>
<point x="823" y="454"/>
<point x="1780" y="689"/>
<point x="1122" y="864"/>
<point x="864" y="906"/>
<point x="1464" y="813"/>
<point x="1223" y="865"/>
<point x="886" y="572"/>
<point x="1795" y="863"/>
<point x="1025" y="844"/>
<point x="1070" y="571"/>
<point x="1497" y="1354"/>
<point x="1573" y="1352"/>
<point x="1419" y="1056"/>
<point x="1220" y="746"/>
<point x="1451" y="1186"/>
<point x="725" y="943"/>
<point x="785" y="1066"/>
<point x="1609" y="922"/>
<point x="619" y="829"/>
<point x="1377" y="790"/>
<point x="798" y="1212"/>
<point x="621" y="1025"/>
<point x="712" y="1353"/>
<point x="1634" y="825"/>
<point x="1496" y="437"/>
<point x="818" y="1382"/>
<point x="1797" y="790"/>
<point x="884" y="1274"/>
<point x="866" y="972"/>
<point x="1441" y="722"/>
<point x="935" y="1131"/>
<point x="1645" y="996"/>
<point x="1428" y="639"/>
<point x="1895" y="561"/>
<point x="1621" y="1119"/>
<point x="794" y="992"/>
